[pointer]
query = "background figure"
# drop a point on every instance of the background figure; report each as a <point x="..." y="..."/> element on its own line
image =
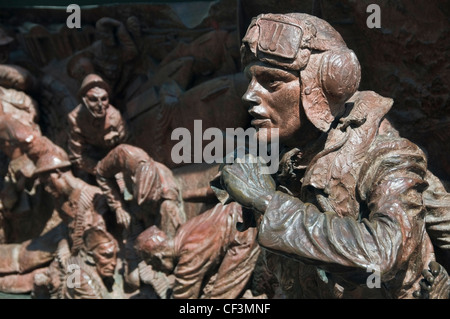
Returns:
<point x="20" y="198"/>
<point x="214" y="54"/>
<point x="31" y="232"/>
<point x="92" y="273"/>
<point x="16" y="199"/>
<point x="113" y="56"/>
<point x="149" y="196"/>
<point x="95" y="126"/>
<point x="208" y="256"/>
<point x="79" y="204"/>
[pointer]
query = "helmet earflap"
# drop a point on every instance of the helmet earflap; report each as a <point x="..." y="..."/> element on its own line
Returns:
<point x="329" y="79"/>
<point x="340" y="74"/>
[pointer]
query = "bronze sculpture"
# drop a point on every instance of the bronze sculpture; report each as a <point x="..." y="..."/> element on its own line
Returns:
<point x="95" y="126"/>
<point x="96" y="263"/>
<point x="151" y="184"/>
<point x="343" y="165"/>
<point x="153" y="195"/>
<point x="347" y="200"/>
<point x="79" y="204"/>
<point x="15" y="138"/>
<point x="208" y="257"/>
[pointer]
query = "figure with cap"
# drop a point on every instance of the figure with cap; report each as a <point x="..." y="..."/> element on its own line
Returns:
<point x="79" y="204"/>
<point x="95" y="126"/>
<point x="20" y="197"/>
<point x="346" y="202"/>
<point x="150" y="196"/>
<point x="25" y="248"/>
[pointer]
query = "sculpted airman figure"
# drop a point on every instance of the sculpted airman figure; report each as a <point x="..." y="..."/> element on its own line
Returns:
<point x="346" y="205"/>
<point x="81" y="206"/>
<point x="95" y="126"/>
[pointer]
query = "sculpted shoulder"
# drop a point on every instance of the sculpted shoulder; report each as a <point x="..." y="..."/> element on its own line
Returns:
<point x="73" y="115"/>
<point x="114" y="116"/>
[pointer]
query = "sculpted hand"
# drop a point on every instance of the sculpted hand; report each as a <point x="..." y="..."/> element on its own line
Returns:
<point x="248" y="183"/>
<point x="123" y="218"/>
<point x="112" y="138"/>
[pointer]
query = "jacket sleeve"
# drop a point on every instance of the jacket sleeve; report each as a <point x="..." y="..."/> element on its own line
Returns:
<point x="437" y="203"/>
<point x="77" y="149"/>
<point x="106" y="172"/>
<point x="238" y="263"/>
<point x="389" y="227"/>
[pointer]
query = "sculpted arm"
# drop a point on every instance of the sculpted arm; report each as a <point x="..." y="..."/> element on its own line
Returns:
<point x="77" y="149"/>
<point x="106" y="170"/>
<point x="391" y="223"/>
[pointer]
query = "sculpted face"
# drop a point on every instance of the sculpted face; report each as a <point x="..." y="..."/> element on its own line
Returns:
<point x="105" y="257"/>
<point x="96" y="101"/>
<point x="274" y="101"/>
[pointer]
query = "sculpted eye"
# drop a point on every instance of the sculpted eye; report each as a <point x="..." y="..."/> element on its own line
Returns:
<point x="274" y="84"/>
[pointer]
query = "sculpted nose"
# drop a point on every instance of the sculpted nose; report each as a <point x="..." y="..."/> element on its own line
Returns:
<point x="250" y="96"/>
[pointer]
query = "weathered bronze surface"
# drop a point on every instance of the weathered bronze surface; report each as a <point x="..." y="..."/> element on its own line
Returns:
<point x="95" y="205"/>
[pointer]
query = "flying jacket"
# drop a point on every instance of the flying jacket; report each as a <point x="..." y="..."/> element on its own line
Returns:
<point x="357" y="211"/>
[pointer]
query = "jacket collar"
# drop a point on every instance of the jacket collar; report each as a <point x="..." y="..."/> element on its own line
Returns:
<point x="334" y="170"/>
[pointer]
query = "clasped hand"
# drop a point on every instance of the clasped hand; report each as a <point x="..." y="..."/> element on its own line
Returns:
<point x="248" y="182"/>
